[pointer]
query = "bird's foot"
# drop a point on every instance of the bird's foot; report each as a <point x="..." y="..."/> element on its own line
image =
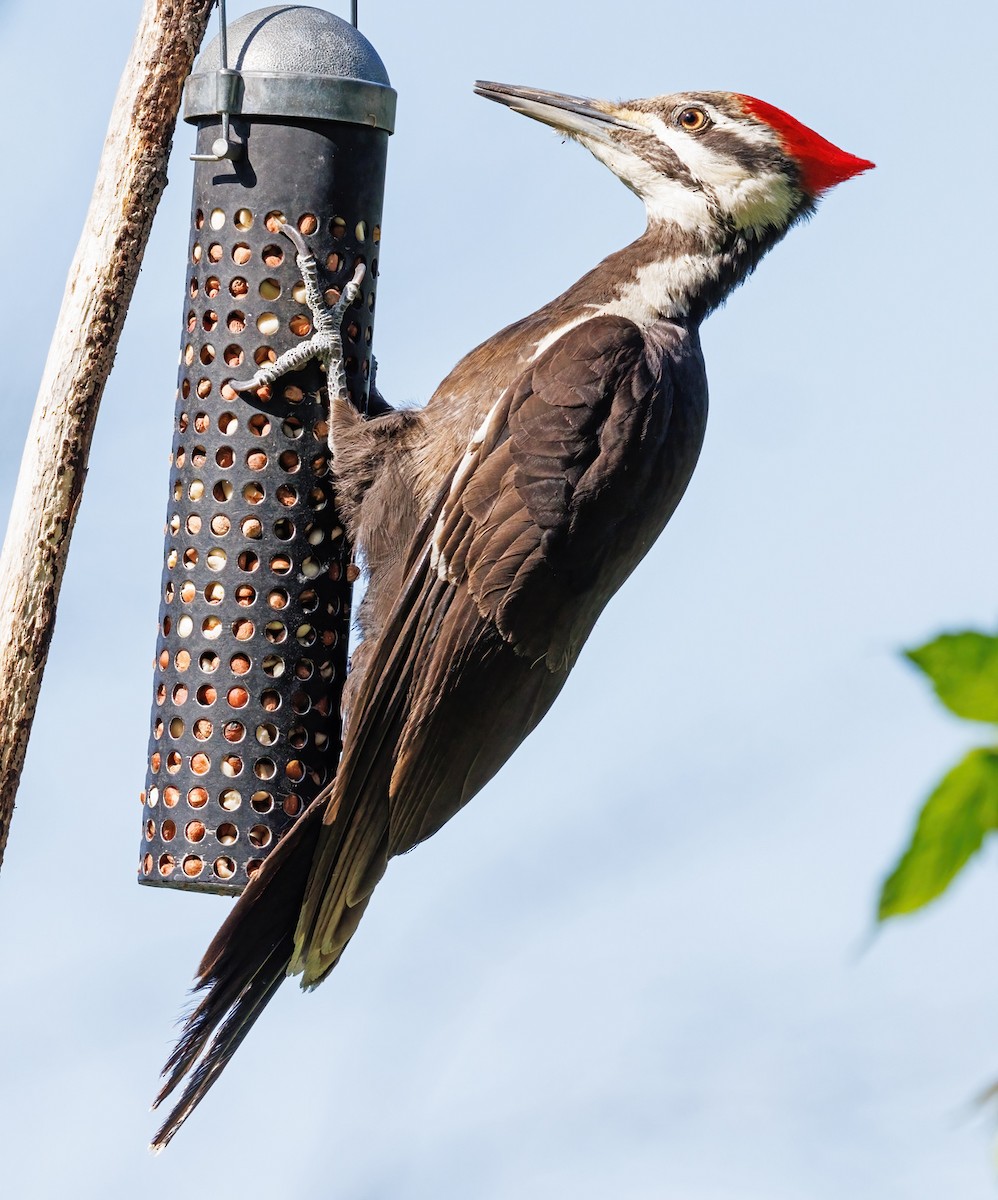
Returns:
<point x="326" y="343"/>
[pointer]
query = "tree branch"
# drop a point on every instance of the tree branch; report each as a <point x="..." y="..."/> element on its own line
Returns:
<point x="130" y="180"/>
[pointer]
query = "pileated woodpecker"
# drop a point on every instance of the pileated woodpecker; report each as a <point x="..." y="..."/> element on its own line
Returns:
<point x="499" y="520"/>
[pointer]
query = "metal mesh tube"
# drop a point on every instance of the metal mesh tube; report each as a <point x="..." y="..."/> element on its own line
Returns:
<point x="255" y="602"/>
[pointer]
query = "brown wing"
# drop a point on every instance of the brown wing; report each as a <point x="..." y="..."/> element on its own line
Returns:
<point x="505" y="582"/>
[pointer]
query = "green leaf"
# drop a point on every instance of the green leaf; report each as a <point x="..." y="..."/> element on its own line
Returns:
<point x="951" y="827"/>
<point x="963" y="668"/>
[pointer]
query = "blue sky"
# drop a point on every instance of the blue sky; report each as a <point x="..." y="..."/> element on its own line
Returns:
<point x="637" y="965"/>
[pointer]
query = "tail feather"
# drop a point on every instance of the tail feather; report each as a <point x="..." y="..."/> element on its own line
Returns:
<point x="223" y="1044"/>
<point x="243" y="967"/>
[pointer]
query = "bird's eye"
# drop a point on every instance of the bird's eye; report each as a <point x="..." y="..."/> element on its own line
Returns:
<point x="692" y="119"/>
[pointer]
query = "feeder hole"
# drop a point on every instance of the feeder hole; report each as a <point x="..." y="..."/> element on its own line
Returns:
<point x="166" y="864"/>
<point x="230" y="800"/>
<point x="238" y="287"/>
<point x="202" y="729"/>
<point x="270" y="289"/>
<point x="264" y="355"/>
<point x="208" y="662"/>
<point x="224" y="868"/>
<point x="267" y="323"/>
<point x="287" y="495"/>
<point x="182" y="660"/>
<point x="211" y="627"/>
<point x="194" y="831"/>
<point x="233" y="356"/>
<point x="206" y="694"/>
<point x="194" y="524"/>
<point x="200" y="763"/>
<point x="273" y="256"/>
<point x="236" y="322"/>
<point x="193" y="866"/>
<point x="265" y="768"/>
<point x="232" y="765"/>
<point x="253" y="493"/>
<point x="273" y="666"/>
<point x="241" y="254"/>
<point x="222" y="491"/>
<point x="300" y="326"/>
<point x="239" y="664"/>
<point x="171" y="797"/>
<point x="278" y="598"/>
<point x="266" y="734"/>
<point x="215" y="252"/>
<point x="243" y="219"/>
<point x="292" y="805"/>
<point x="212" y="286"/>
<point x="270" y="701"/>
<point x="243" y="629"/>
<point x="280" y="564"/>
<point x="248" y="561"/>
<point x="274" y="220"/>
<point x="220" y="524"/>
<point x="238" y="697"/>
<point x="245" y="595"/>
<point x="284" y="529"/>
<point x="260" y="836"/>
<point x="304" y="669"/>
<point x="258" y="425"/>
<point x="176" y="727"/>
<point x="203" y="388"/>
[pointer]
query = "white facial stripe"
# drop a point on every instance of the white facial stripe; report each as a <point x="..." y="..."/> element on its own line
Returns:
<point x="753" y="202"/>
<point x="665" y="199"/>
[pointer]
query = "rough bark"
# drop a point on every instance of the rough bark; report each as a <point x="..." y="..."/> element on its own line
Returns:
<point x="130" y="179"/>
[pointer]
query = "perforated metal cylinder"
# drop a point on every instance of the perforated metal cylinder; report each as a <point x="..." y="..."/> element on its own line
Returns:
<point x="255" y="603"/>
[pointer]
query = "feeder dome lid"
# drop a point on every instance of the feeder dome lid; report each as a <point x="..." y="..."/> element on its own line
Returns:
<point x="294" y="61"/>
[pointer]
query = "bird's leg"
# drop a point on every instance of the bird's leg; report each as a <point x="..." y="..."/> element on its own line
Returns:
<point x="325" y="344"/>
